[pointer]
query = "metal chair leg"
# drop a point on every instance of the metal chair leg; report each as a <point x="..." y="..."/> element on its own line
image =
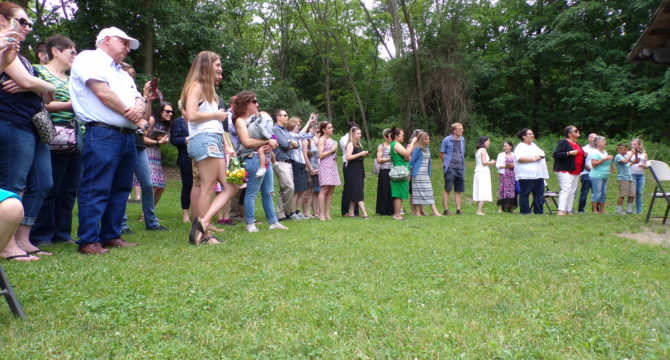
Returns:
<point x="7" y="291"/>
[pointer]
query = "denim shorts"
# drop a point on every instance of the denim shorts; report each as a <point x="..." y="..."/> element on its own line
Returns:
<point x="206" y="145"/>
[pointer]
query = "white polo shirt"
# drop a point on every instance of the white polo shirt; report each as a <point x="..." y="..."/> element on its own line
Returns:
<point x="97" y="65"/>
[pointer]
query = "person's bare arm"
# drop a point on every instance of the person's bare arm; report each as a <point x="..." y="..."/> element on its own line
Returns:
<point x="21" y="81"/>
<point x="191" y="112"/>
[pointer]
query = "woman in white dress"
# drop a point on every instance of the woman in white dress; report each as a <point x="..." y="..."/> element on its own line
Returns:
<point x="481" y="186"/>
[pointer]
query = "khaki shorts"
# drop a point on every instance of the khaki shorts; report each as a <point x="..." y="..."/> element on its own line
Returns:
<point x="626" y="188"/>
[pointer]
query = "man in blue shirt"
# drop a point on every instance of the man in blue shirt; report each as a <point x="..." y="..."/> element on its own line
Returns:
<point x="282" y="166"/>
<point x="452" y="154"/>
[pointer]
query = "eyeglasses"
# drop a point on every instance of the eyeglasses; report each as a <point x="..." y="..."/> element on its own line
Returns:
<point x="254" y="101"/>
<point x="169" y="111"/>
<point x="575" y="131"/>
<point x="23" y="22"/>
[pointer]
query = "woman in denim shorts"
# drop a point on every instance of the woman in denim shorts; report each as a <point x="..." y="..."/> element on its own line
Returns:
<point x="205" y="143"/>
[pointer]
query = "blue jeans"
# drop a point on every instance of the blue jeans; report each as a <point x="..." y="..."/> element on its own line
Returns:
<point x="254" y="184"/>
<point x="25" y="166"/>
<point x="599" y="189"/>
<point x="535" y="187"/>
<point x="54" y="222"/>
<point x="143" y="174"/>
<point x="584" y="192"/>
<point x="109" y="160"/>
<point x="638" y="180"/>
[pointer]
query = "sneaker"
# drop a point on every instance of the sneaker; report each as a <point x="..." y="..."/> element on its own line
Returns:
<point x="301" y="216"/>
<point x="158" y="228"/>
<point x="261" y="172"/>
<point x="446" y="212"/>
<point x="295" y="217"/>
<point x="620" y="212"/>
<point x="458" y="212"/>
<point x="252" y="228"/>
<point x="277" y="225"/>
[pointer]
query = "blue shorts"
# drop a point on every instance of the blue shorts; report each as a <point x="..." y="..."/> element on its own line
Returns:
<point x="206" y="145"/>
<point x="454" y="178"/>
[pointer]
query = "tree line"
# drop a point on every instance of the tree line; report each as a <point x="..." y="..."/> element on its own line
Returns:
<point x="493" y="65"/>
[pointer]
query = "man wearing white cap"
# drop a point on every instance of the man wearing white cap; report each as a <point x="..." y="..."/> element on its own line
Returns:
<point x="105" y="98"/>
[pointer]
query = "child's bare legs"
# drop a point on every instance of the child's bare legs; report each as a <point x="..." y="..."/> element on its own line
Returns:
<point x="261" y="169"/>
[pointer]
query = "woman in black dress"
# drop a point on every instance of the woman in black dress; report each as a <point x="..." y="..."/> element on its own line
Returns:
<point x="355" y="175"/>
<point x="384" y="199"/>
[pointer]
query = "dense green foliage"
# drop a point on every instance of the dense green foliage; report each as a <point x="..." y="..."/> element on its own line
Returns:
<point x="496" y="65"/>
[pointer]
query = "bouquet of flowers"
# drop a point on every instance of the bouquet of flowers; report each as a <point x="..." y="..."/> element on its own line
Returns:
<point x="236" y="174"/>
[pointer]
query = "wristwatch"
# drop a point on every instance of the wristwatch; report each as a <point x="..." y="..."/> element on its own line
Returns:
<point x="146" y="126"/>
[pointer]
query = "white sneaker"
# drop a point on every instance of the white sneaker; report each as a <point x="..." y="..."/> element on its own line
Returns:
<point x="252" y="228"/>
<point x="260" y="172"/>
<point x="277" y="225"/>
<point x="295" y="217"/>
<point x="301" y="216"/>
<point x="620" y="212"/>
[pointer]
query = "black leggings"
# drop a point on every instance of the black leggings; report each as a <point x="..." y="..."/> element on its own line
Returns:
<point x="186" y="172"/>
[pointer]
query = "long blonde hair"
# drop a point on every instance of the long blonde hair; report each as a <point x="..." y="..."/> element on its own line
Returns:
<point x="357" y="143"/>
<point x="637" y="140"/>
<point x="201" y="74"/>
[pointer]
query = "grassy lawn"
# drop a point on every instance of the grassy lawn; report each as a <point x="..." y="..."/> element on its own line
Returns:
<point x="500" y="286"/>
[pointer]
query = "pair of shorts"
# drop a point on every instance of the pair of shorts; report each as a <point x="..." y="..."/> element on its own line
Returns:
<point x="299" y="177"/>
<point x="454" y="178"/>
<point x="626" y="188"/>
<point x="206" y="145"/>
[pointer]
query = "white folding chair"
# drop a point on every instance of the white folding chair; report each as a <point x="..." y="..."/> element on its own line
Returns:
<point x="661" y="173"/>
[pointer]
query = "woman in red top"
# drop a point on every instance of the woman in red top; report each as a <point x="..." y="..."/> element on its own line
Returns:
<point x="568" y="164"/>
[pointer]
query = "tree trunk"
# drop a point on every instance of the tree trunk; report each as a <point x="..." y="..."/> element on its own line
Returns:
<point x="374" y="27"/>
<point x="396" y="29"/>
<point x="148" y="66"/>
<point x="417" y="63"/>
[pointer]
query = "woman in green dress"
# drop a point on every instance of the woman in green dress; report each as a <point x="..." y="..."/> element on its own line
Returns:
<point x="400" y="157"/>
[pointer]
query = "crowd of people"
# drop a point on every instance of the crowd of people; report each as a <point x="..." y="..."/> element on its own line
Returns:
<point x="106" y="139"/>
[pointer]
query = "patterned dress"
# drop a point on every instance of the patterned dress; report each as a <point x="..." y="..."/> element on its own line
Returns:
<point x="328" y="174"/>
<point x="507" y="196"/>
<point x="422" y="189"/>
<point x="155" y="162"/>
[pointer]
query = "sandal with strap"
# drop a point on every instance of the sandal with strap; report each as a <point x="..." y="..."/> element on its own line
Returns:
<point x="196" y="227"/>
<point x="208" y="240"/>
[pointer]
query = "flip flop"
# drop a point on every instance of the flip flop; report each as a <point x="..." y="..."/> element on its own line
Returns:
<point x="205" y="241"/>
<point x="195" y="227"/>
<point x="39" y="252"/>
<point x="17" y="257"/>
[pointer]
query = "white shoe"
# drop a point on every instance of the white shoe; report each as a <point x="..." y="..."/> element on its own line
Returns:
<point x="260" y="172"/>
<point x="277" y="225"/>
<point x="252" y="228"/>
<point x="295" y="217"/>
<point x="301" y="216"/>
<point x="620" y="212"/>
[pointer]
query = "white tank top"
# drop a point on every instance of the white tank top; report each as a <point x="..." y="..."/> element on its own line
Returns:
<point x="212" y="126"/>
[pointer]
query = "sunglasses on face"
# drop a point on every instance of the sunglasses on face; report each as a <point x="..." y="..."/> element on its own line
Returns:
<point x="169" y="111"/>
<point x="23" y="22"/>
<point x="254" y="101"/>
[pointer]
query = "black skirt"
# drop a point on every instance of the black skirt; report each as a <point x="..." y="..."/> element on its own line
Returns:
<point x="384" y="199"/>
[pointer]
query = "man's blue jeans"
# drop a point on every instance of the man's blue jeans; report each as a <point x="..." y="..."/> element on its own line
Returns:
<point x="54" y="222"/>
<point x="109" y="160"/>
<point x="25" y="166"/>
<point x="143" y="174"/>
<point x="254" y="184"/>
<point x="638" y="180"/>
<point x="584" y="192"/>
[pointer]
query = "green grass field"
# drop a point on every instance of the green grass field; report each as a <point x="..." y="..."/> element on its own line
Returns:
<point x="503" y="286"/>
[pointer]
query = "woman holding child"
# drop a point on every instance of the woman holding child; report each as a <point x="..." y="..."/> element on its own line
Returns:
<point x="245" y="106"/>
<point x="568" y="164"/>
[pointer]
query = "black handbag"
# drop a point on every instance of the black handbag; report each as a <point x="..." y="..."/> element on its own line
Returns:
<point x="44" y="126"/>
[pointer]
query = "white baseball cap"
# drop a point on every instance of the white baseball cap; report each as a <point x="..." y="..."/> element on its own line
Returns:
<point x="114" y="31"/>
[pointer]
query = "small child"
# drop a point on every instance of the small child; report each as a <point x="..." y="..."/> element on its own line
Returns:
<point x="260" y="127"/>
<point x="624" y="179"/>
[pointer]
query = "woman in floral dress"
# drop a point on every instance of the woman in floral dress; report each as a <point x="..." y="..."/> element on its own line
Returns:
<point x="329" y="177"/>
<point x="507" y="195"/>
